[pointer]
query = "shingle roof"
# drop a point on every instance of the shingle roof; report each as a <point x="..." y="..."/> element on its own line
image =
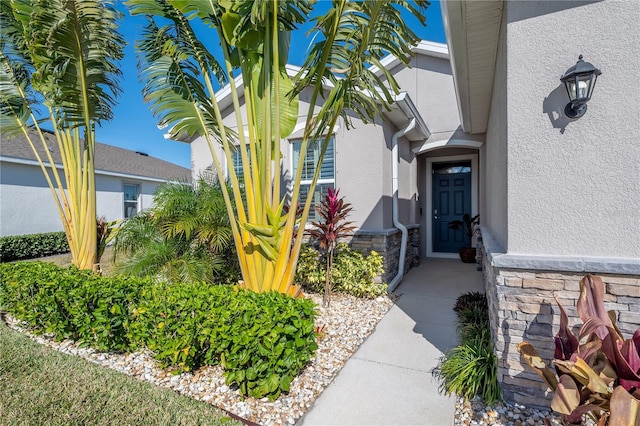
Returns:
<point x="108" y="158"/>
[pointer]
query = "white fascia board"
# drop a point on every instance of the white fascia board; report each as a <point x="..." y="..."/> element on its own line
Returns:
<point x="28" y="162"/>
<point x="406" y="105"/>
<point x="455" y="31"/>
<point x="431" y="48"/>
<point x="425" y="47"/>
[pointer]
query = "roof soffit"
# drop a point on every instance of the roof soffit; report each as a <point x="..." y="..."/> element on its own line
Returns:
<point x="473" y="30"/>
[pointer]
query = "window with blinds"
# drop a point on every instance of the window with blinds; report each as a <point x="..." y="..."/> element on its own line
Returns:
<point x="236" y="159"/>
<point x="309" y="164"/>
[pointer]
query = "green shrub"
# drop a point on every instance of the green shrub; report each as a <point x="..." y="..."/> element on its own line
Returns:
<point x="71" y="303"/>
<point x="33" y="245"/>
<point x="185" y="236"/>
<point x="270" y="339"/>
<point x="472" y="310"/>
<point x="353" y="273"/>
<point x="471" y="369"/>
<point x="310" y="272"/>
<point x="262" y="340"/>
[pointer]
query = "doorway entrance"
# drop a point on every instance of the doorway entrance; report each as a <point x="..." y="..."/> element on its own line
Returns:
<point x="452" y="191"/>
<point x="451" y="200"/>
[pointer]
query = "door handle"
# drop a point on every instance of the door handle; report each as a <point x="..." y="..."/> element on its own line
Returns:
<point x="435" y="214"/>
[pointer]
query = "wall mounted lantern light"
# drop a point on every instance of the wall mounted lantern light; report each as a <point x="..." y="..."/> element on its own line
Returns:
<point x="579" y="80"/>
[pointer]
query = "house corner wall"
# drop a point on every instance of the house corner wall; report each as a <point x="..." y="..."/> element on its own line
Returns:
<point x="558" y="195"/>
<point x="493" y="153"/>
<point x="522" y="307"/>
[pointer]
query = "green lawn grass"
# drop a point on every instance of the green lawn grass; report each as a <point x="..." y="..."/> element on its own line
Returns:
<point x="107" y="264"/>
<point x="40" y="386"/>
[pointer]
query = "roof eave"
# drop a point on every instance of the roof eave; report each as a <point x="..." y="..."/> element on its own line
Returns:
<point x="403" y="104"/>
<point x="453" y="23"/>
<point x="472" y="29"/>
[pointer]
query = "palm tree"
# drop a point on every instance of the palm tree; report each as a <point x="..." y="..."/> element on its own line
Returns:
<point x="185" y="237"/>
<point x="181" y="76"/>
<point x="61" y="55"/>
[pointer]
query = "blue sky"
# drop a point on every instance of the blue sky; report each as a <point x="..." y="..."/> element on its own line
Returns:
<point x="133" y="126"/>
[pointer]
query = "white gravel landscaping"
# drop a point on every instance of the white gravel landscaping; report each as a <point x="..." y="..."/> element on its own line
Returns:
<point x="475" y="413"/>
<point x="347" y="322"/>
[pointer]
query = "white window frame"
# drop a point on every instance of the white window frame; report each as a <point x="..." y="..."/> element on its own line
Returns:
<point x="125" y="201"/>
<point x="332" y="181"/>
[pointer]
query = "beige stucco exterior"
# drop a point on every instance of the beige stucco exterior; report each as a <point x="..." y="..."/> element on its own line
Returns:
<point x="581" y="178"/>
<point x="559" y="198"/>
<point x="363" y="158"/>
<point x="28" y="206"/>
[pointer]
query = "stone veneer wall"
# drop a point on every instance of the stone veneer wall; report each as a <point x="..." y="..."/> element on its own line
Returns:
<point x="522" y="307"/>
<point x="387" y="243"/>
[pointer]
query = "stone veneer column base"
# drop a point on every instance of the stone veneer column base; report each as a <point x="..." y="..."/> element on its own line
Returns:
<point x="387" y="243"/>
<point x="522" y="307"/>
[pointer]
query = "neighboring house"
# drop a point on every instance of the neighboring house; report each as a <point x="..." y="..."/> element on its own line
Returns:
<point x="125" y="183"/>
<point x="558" y="198"/>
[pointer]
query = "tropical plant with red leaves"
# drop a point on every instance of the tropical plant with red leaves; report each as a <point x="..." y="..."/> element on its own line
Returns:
<point x="333" y="226"/>
<point x="597" y="373"/>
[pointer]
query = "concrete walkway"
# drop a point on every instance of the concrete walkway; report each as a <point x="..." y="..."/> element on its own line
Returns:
<point x="389" y="380"/>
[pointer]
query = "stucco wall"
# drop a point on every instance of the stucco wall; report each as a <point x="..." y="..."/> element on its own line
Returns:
<point x="362" y="173"/>
<point x="110" y="196"/>
<point x="362" y="164"/>
<point x="429" y="83"/>
<point x="26" y="203"/>
<point x="493" y="154"/>
<point x="28" y="207"/>
<point x="574" y="187"/>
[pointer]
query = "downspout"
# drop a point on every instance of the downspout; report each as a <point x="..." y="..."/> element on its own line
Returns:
<point x="394" y="189"/>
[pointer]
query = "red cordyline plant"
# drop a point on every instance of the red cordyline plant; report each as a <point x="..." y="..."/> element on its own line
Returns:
<point x="333" y="226"/>
<point x="597" y="373"/>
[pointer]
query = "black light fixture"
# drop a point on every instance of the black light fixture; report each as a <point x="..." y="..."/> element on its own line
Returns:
<point x="579" y="80"/>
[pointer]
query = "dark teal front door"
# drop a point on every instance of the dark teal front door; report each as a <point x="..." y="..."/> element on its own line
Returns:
<point x="451" y="200"/>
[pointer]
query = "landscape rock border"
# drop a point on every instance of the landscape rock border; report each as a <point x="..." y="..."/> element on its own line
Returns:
<point x="345" y="325"/>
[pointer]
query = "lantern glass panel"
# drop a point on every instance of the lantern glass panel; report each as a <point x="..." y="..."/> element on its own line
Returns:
<point x="584" y="82"/>
<point x="571" y="89"/>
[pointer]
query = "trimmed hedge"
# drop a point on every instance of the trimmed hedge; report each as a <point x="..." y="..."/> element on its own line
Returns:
<point x="70" y="303"/>
<point x="31" y="246"/>
<point x="262" y="340"/>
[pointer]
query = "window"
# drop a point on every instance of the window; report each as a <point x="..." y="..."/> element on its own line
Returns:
<point x="131" y="195"/>
<point x="452" y="168"/>
<point x="236" y="158"/>
<point x="327" y="172"/>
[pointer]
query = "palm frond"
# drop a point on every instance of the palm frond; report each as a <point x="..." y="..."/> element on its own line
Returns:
<point x="75" y="47"/>
<point x="135" y="233"/>
<point x="174" y="64"/>
<point x="355" y="37"/>
<point x="16" y="94"/>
